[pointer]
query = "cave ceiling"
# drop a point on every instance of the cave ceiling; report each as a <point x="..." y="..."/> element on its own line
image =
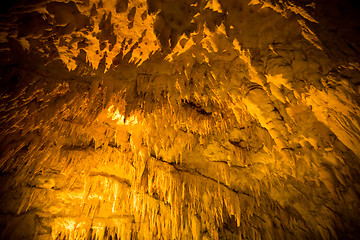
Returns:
<point x="165" y="119"/>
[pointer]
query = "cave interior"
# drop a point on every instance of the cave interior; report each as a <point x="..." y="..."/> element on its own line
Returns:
<point x="179" y="119"/>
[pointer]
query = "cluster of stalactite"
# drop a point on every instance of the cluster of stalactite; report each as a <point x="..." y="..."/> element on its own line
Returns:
<point x="178" y="120"/>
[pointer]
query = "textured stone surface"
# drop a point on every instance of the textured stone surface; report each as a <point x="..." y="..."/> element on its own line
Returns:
<point x="196" y="119"/>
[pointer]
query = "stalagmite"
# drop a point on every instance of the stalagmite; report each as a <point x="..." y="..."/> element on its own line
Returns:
<point x="169" y="119"/>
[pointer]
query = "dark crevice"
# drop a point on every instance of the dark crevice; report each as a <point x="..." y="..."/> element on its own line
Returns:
<point x="111" y="176"/>
<point x="197" y="173"/>
<point x="198" y="108"/>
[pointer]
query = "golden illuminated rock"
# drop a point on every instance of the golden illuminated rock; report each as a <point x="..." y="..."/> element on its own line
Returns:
<point x="167" y="119"/>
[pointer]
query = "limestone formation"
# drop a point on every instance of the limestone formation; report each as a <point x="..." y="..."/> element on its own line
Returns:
<point x="169" y="119"/>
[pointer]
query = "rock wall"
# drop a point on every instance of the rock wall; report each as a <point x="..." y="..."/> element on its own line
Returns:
<point x="195" y="119"/>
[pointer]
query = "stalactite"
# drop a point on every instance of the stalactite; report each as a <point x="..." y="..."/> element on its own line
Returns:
<point x="215" y="119"/>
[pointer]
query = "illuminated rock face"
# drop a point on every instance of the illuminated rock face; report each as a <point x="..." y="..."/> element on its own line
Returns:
<point x="196" y="119"/>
